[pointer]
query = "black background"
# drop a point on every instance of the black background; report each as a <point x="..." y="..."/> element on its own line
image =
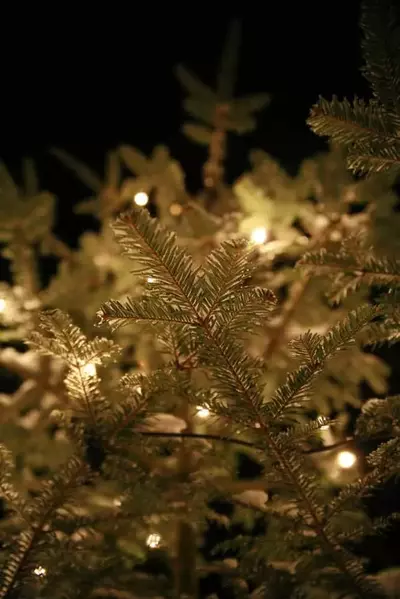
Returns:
<point x="88" y="78"/>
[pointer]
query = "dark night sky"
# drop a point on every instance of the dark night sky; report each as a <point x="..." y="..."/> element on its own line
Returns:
<point x="89" y="82"/>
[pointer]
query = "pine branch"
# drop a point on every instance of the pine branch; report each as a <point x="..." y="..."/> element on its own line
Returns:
<point x="57" y="335"/>
<point x="362" y="265"/>
<point x="356" y="123"/>
<point x="228" y="303"/>
<point x="374" y="159"/>
<point x="54" y="496"/>
<point x="154" y="248"/>
<point x="149" y="309"/>
<point x="350" y="266"/>
<point x="7" y="489"/>
<point x="176" y="277"/>
<point x="369" y="130"/>
<point x="381" y="43"/>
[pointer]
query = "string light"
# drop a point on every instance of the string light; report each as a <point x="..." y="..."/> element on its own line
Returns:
<point x="153" y="540"/>
<point x="259" y="235"/>
<point x="175" y="209"/>
<point x="40" y="571"/>
<point x="202" y="412"/>
<point x="151" y="280"/>
<point x="346" y="459"/>
<point x="89" y="369"/>
<point x="2" y="304"/>
<point x="141" y="198"/>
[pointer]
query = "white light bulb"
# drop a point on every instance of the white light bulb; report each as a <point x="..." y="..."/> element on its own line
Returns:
<point x="153" y="541"/>
<point x="150" y="280"/>
<point x="89" y="369"/>
<point x="346" y="459"/>
<point x="259" y="235"/>
<point x="141" y="198"/>
<point x="40" y="571"/>
<point x="2" y="304"/>
<point x="202" y="412"/>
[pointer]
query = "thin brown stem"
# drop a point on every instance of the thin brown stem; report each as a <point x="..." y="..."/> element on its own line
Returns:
<point x="213" y="170"/>
<point x="240" y="442"/>
<point x="185" y="565"/>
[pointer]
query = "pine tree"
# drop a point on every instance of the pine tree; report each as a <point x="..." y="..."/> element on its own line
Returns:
<point x="238" y="321"/>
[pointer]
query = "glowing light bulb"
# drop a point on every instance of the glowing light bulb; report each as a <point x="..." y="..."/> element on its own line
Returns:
<point x="2" y="304"/>
<point x="153" y="541"/>
<point x="346" y="459"/>
<point x="175" y="209"/>
<point x="259" y="235"/>
<point x="40" y="571"/>
<point x="202" y="412"/>
<point x="141" y="198"/>
<point x="89" y="369"/>
<point x="151" y="280"/>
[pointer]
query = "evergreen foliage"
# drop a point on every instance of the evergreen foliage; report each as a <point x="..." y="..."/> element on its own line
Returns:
<point x="369" y="130"/>
<point x="256" y="305"/>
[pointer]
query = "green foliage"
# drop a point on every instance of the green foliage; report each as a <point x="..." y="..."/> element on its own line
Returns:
<point x="236" y="386"/>
<point x="106" y="464"/>
<point x="380" y="45"/>
<point x="369" y="131"/>
<point x="197" y="303"/>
